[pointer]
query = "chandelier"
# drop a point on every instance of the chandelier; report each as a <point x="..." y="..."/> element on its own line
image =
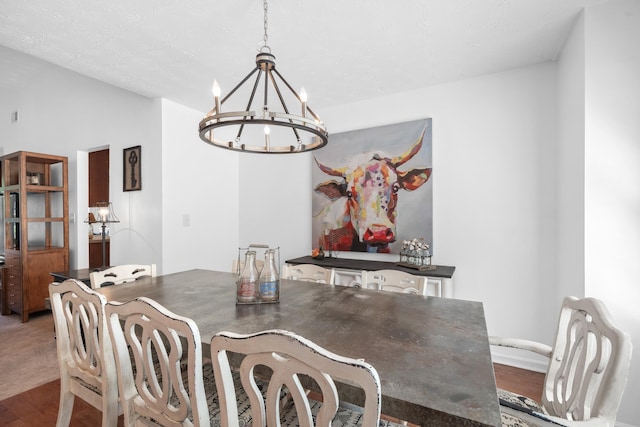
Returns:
<point x="271" y="127"/>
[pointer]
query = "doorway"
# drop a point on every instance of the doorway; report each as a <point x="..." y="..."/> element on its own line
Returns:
<point x="98" y="192"/>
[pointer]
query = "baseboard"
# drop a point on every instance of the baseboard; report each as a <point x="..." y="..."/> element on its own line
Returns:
<point x="624" y="425"/>
<point x="528" y="363"/>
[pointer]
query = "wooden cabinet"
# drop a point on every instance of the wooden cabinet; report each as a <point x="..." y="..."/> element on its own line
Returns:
<point x="95" y="252"/>
<point x="35" y="228"/>
<point x="348" y="272"/>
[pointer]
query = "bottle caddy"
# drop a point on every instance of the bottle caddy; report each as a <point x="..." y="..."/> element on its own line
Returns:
<point x="258" y="284"/>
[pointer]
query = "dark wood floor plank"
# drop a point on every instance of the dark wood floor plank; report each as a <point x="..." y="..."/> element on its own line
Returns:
<point x="521" y="381"/>
<point x="39" y="407"/>
<point x="6" y="415"/>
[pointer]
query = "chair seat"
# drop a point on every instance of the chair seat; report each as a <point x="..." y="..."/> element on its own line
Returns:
<point x="244" y="407"/>
<point x="85" y="384"/>
<point x="509" y="420"/>
<point x="347" y="416"/>
<point x="514" y="411"/>
<point x="513" y="418"/>
<point x="518" y="400"/>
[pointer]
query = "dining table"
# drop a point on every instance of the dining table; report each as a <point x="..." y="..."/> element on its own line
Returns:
<point x="432" y="354"/>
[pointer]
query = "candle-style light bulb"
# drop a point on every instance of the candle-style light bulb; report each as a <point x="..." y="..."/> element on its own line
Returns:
<point x="216" y="95"/>
<point x="104" y="213"/>
<point x="267" y="131"/>
<point x="303" y="99"/>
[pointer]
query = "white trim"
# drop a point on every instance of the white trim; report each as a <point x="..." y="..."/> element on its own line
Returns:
<point x="519" y="362"/>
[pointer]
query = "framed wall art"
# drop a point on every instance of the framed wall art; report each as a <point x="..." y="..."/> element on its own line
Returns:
<point x="132" y="177"/>
<point x="372" y="189"/>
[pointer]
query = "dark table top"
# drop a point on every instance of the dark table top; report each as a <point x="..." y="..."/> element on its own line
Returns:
<point x="432" y="354"/>
<point x="362" y="264"/>
<point x="81" y="274"/>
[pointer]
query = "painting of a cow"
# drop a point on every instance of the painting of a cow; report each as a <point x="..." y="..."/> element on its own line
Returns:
<point x="361" y="209"/>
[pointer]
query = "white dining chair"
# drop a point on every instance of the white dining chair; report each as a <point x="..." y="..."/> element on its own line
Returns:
<point x="85" y="356"/>
<point x="152" y="385"/>
<point x="121" y="274"/>
<point x="292" y="360"/>
<point x="586" y="374"/>
<point x="161" y="376"/>
<point x="395" y="281"/>
<point x="309" y="273"/>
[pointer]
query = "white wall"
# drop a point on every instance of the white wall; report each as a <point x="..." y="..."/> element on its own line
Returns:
<point x="136" y="239"/>
<point x="599" y="169"/>
<point x="570" y="152"/>
<point x="65" y="113"/>
<point x="200" y="187"/>
<point x="275" y="207"/>
<point x="612" y="172"/>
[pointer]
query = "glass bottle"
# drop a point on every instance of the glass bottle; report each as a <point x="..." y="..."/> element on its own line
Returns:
<point x="404" y="255"/>
<point x="427" y="257"/>
<point x="246" y="285"/>
<point x="412" y="257"/>
<point x="269" y="282"/>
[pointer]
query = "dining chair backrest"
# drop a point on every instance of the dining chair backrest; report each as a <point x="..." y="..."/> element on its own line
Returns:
<point x="85" y="356"/>
<point x="121" y="274"/>
<point x="395" y="281"/>
<point x="291" y="360"/>
<point x="588" y="370"/>
<point x="309" y="273"/>
<point x="163" y="380"/>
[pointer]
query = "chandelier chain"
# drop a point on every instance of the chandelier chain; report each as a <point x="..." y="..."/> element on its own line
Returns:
<point x="266" y="10"/>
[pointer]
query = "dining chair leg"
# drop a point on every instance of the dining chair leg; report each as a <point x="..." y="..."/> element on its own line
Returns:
<point x="65" y="409"/>
<point x="109" y="413"/>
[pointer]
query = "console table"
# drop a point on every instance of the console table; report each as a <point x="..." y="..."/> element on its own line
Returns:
<point x="348" y="271"/>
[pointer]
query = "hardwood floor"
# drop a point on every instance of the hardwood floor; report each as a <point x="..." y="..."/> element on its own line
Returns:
<point x="39" y="406"/>
<point x="520" y="381"/>
<point x="28" y="356"/>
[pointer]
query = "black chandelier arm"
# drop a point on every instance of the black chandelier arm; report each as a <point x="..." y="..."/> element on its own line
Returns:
<point x="265" y="103"/>
<point x="284" y="106"/>
<point x="315" y="116"/>
<point x="253" y="94"/>
<point x="277" y="88"/>
<point x="238" y="85"/>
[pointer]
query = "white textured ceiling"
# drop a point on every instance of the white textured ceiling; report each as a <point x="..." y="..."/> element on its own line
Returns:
<point x="341" y="50"/>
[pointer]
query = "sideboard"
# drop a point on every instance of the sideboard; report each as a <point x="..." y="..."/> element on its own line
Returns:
<point x="349" y="272"/>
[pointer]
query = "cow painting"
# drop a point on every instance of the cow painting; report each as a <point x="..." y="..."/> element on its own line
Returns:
<point x="363" y="194"/>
